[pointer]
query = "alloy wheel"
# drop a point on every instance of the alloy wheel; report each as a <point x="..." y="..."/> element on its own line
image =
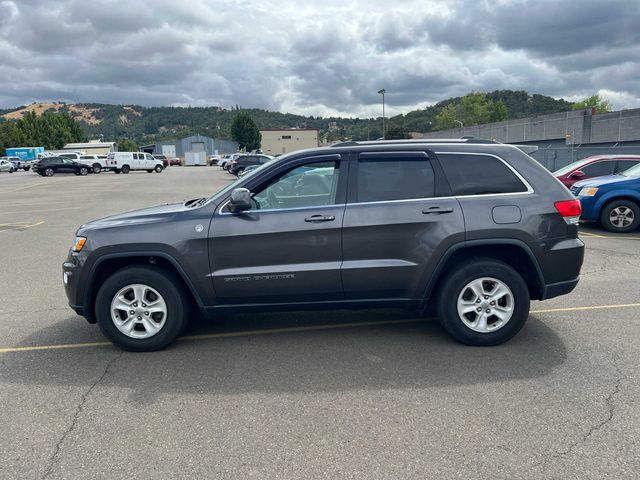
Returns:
<point x="485" y="304"/>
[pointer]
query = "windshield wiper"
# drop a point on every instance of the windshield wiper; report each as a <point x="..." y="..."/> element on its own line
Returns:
<point x="194" y="202"/>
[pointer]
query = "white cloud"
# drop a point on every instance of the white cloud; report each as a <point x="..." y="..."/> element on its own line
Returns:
<point x="317" y="58"/>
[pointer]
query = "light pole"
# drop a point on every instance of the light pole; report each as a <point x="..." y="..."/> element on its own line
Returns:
<point x="382" y="91"/>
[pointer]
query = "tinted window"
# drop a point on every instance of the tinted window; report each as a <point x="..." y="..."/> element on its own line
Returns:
<point x="383" y="178"/>
<point x="626" y="164"/>
<point x="598" y="169"/>
<point x="309" y="185"/>
<point x="479" y="175"/>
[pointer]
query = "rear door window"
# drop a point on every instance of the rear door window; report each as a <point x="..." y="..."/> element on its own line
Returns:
<point x="626" y="164"/>
<point x="478" y="174"/>
<point x="393" y="176"/>
<point x="598" y="169"/>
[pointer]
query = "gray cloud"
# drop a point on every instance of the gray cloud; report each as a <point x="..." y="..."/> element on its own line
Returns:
<point x="316" y="58"/>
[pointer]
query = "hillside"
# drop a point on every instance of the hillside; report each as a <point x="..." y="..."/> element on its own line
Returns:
<point x="147" y="124"/>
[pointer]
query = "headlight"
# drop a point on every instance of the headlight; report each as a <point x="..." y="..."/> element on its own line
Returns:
<point x="588" y="191"/>
<point x="79" y="243"/>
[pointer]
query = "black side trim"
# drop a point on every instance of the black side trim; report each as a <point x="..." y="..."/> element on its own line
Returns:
<point x="487" y="242"/>
<point x="135" y="253"/>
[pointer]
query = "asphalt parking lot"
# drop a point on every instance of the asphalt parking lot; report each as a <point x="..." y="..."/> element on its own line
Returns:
<point x="371" y="394"/>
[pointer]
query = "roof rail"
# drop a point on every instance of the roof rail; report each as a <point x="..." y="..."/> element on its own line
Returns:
<point x="402" y="141"/>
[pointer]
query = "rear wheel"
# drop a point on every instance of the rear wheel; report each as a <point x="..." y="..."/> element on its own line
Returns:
<point x="48" y="172"/>
<point x="26" y="169"/>
<point x="141" y="308"/>
<point x="150" y="171"/>
<point x="117" y="170"/>
<point x="620" y="216"/>
<point x="158" y="169"/>
<point x="126" y="169"/>
<point x="483" y="302"/>
<point x="239" y="172"/>
<point x="83" y="171"/>
<point x="97" y="168"/>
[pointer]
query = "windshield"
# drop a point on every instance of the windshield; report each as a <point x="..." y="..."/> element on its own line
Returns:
<point x="234" y="184"/>
<point x="572" y="166"/>
<point x="632" y="172"/>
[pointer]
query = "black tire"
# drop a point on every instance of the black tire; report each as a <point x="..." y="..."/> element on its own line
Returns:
<point x="97" y="168"/>
<point x="83" y="171"/>
<point x="125" y="169"/>
<point x="164" y="283"/>
<point x="239" y="172"/>
<point x="158" y="169"/>
<point x="26" y="169"/>
<point x="117" y="170"/>
<point x="628" y="207"/>
<point x="49" y="172"/>
<point x="150" y="171"/>
<point x="11" y="170"/>
<point x="452" y="287"/>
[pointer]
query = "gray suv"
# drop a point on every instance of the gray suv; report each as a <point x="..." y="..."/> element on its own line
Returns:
<point x="474" y="228"/>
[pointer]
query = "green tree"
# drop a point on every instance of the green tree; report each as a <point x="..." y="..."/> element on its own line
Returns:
<point x="50" y="130"/>
<point x="245" y="132"/>
<point x="127" y="145"/>
<point x="396" y="130"/>
<point x="601" y="104"/>
<point x="475" y="108"/>
<point x="498" y="111"/>
<point x="446" y="119"/>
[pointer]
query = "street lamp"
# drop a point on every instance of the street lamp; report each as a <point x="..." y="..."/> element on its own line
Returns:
<point x="382" y="91"/>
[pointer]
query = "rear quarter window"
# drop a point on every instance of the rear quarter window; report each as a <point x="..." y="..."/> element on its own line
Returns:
<point x="477" y="174"/>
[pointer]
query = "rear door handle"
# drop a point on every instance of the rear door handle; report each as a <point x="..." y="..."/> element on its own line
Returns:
<point x="320" y="218"/>
<point x="437" y="210"/>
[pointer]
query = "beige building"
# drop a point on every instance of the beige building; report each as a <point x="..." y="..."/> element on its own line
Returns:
<point x="276" y="141"/>
<point x="93" y="147"/>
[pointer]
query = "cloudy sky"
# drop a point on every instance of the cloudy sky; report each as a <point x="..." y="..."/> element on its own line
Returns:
<point x="312" y="57"/>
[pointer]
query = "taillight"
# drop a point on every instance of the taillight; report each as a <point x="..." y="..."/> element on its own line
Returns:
<point x="570" y="210"/>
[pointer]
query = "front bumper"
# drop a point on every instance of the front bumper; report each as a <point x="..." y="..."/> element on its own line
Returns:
<point x="71" y="278"/>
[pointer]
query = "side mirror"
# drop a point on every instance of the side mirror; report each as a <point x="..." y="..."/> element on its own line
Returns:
<point x="240" y="200"/>
<point x="577" y="174"/>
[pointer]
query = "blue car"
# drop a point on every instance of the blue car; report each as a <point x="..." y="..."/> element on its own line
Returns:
<point x="614" y="200"/>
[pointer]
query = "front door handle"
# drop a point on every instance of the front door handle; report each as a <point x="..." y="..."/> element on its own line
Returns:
<point x="437" y="210"/>
<point x="320" y="218"/>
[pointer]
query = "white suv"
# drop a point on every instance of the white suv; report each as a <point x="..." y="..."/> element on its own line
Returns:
<point x="126" y="161"/>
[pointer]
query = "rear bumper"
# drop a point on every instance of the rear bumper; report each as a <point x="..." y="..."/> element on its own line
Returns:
<point x="552" y="290"/>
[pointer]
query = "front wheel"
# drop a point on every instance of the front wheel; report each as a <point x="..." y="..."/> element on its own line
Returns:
<point x="97" y="168"/>
<point x="483" y="302"/>
<point x="141" y="308"/>
<point x="150" y="171"/>
<point x="126" y="169"/>
<point x="26" y="169"/>
<point x="620" y="216"/>
<point x="83" y="171"/>
<point x="48" y="172"/>
<point x="158" y="169"/>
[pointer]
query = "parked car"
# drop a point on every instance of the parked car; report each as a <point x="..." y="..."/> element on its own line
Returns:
<point x="214" y="159"/>
<point x="238" y="164"/>
<point x="613" y="201"/>
<point x="595" y="166"/>
<point x="227" y="159"/>
<point x="48" y="167"/>
<point x="474" y="227"/>
<point x="6" y="166"/>
<point x="97" y="162"/>
<point x="124" y="162"/>
<point x="18" y="163"/>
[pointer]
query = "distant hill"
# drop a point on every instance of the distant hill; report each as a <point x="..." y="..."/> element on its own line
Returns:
<point x="148" y="124"/>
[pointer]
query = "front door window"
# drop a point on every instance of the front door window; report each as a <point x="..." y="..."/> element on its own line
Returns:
<point x="310" y="185"/>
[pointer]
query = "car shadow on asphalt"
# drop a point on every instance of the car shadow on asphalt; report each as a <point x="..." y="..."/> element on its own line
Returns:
<point x="384" y="356"/>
